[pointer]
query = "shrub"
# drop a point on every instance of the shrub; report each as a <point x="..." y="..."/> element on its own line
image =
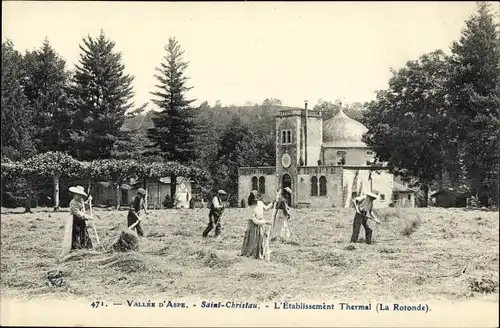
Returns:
<point x="11" y="201"/>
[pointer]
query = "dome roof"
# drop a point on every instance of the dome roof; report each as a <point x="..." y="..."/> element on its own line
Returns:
<point x="341" y="131"/>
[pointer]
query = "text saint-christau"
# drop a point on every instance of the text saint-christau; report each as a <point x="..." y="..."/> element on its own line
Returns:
<point x="229" y="305"/>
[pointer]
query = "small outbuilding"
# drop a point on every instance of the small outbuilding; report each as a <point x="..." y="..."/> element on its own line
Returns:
<point x="449" y="197"/>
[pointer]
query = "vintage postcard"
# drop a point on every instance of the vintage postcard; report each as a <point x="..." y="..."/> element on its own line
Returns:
<point x="250" y="164"/>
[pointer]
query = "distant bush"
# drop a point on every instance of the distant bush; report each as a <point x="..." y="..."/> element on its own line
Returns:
<point x="11" y="201"/>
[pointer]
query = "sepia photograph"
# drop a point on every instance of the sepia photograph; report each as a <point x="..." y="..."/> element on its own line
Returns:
<point x="272" y="164"/>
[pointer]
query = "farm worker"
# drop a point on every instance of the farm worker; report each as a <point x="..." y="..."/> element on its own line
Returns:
<point x="364" y="212"/>
<point x="256" y="241"/>
<point x="281" y="224"/>
<point x="76" y="235"/>
<point x="136" y="207"/>
<point x="215" y="213"/>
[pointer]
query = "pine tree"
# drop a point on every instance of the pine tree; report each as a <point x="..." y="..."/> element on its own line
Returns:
<point x="475" y="101"/>
<point x="173" y="134"/>
<point x="45" y="88"/>
<point x="100" y="96"/>
<point x="17" y="116"/>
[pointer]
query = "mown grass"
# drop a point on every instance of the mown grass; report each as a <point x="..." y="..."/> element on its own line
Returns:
<point x="417" y="253"/>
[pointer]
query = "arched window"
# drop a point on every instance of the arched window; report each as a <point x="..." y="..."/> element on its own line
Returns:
<point x="286" y="181"/>
<point x="262" y="185"/>
<point x="314" y="186"/>
<point x="255" y="183"/>
<point x="322" y="186"/>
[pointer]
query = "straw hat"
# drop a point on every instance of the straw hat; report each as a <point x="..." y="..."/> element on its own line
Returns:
<point x="373" y="194"/>
<point x="78" y="190"/>
<point x="221" y="192"/>
<point x="288" y="190"/>
<point x="141" y="191"/>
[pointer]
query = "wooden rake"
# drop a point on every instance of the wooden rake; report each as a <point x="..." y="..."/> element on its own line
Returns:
<point x="92" y="222"/>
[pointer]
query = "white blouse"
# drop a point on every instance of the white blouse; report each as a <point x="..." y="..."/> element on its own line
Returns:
<point x="258" y="210"/>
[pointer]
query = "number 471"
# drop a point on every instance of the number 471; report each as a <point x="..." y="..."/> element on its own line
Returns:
<point x="96" y="304"/>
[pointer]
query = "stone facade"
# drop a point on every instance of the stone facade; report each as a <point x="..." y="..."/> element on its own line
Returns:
<point x="311" y="163"/>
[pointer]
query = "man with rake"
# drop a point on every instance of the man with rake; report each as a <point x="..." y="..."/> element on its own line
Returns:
<point x="364" y="212"/>
<point x="136" y="207"/>
<point x="216" y="209"/>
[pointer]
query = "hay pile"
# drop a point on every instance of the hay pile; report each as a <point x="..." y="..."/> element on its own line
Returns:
<point x="128" y="241"/>
<point x="406" y="221"/>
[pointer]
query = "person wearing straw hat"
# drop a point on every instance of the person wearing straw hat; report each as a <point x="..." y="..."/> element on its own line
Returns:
<point x="281" y="224"/>
<point x="76" y="235"/>
<point x="136" y="207"/>
<point x="364" y="212"/>
<point x="215" y="213"/>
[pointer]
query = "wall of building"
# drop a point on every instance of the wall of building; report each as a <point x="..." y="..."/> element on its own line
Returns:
<point x="356" y="181"/>
<point x="245" y="184"/>
<point x="333" y="197"/>
<point x="354" y="156"/>
<point x="314" y="139"/>
<point x="156" y="193"/>
<point x="288" y="120"/>
<point x="403" y="199"/>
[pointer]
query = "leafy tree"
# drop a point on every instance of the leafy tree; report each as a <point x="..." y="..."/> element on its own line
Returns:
<point x="237" y="149"/>
<point x="54" y="165"/>
<point x="406" y="121"/>
<point x="17" y="116"/>
<point x="132" y="141"/>
<point x="100" y="95"/>
<point x="475" y="101"/>
<point x="174" y="127"/>
<point x="45" y="88"/>
<point x="330" y="109"/>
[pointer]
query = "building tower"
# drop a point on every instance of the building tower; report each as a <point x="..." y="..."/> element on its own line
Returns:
<point x="294" y="147"/>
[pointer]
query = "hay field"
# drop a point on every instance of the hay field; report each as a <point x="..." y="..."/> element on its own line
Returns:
<point x="417" y="254"/>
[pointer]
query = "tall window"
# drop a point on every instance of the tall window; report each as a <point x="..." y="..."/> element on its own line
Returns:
<point x="286" y="137"/>
<point x="314" y="186"/>
<point x="255" y="183"/>
<point x="262" y="185"/>
<point x="322" y="186"/>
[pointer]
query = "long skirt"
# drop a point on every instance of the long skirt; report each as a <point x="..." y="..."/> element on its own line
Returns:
<point x="281" y="226"/>
<point x="256" y="242"/>
<point x="80" y="237"/>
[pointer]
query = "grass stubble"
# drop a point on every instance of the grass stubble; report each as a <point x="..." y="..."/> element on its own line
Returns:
<point x="417" y="254"/>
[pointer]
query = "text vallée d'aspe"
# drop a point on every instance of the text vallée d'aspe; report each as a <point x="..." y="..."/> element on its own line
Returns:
<point x="342" y="306"/>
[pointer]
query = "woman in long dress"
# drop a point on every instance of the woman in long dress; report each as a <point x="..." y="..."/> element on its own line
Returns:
<point x="281" y="224"/>
<point x="76" y="235"/>
<point x="256" y="242"/>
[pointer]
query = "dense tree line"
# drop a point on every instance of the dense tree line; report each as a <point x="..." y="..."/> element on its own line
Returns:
<point x="438" y="118"/>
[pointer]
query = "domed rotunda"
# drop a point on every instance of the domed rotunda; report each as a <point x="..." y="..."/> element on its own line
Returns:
<point x="341" y="131"/>
<point x="343" y="142"/>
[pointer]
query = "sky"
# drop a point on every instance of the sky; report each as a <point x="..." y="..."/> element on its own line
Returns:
<point x="241" y="52"/>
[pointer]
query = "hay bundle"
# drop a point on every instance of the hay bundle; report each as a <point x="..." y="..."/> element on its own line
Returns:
<point x="128" y="241"/>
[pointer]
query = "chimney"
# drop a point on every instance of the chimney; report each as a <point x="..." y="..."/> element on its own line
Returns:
<point x="305" y="134"/>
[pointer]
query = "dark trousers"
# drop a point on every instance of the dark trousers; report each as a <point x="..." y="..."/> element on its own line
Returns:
<point x="213" y="220"/>
<point x="360" y="220"/>
<point x="131" y="219"/>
